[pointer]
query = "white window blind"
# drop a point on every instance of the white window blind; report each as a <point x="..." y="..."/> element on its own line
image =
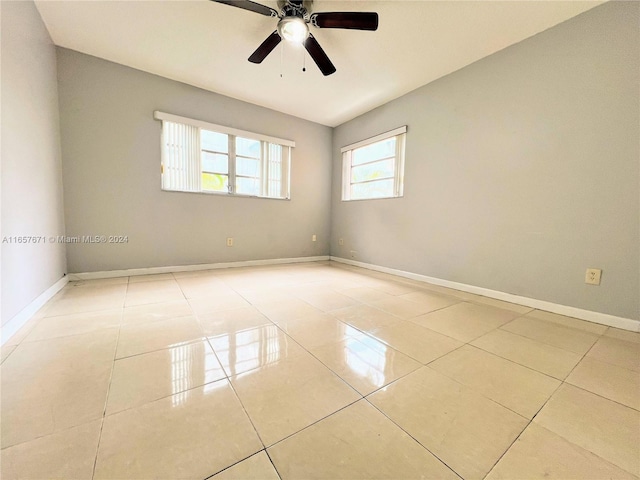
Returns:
<point x="202" y="157"/>
<point x="180" y="157"/>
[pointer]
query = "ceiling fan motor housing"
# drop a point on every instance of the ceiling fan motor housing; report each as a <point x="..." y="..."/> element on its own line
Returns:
<point x="296" y="8"/>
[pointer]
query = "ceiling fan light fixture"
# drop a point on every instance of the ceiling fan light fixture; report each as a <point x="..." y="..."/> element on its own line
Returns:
<point x="293" y="29"/>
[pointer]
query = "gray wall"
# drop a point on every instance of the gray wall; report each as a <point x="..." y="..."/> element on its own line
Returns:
<point x="31" y="166"/>
<point x="521" y="170"/>
<point x="111" y="152"/>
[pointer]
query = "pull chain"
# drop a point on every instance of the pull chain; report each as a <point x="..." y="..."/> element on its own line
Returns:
<point x="304" y="61"/>
<point x="281" y="57"/>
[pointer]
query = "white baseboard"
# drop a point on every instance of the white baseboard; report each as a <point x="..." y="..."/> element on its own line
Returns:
<point x="10" y="328"/>
<point x="595" y="317"/>
<point x="190" y="268"/>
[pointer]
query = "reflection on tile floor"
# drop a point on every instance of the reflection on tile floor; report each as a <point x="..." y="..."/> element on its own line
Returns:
<point x="314" y="370"/>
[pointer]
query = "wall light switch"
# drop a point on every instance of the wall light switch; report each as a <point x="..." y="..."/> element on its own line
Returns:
<point x="313" y="238"/>
<point x="593" y="276"/>
<point x="341" y="241"/>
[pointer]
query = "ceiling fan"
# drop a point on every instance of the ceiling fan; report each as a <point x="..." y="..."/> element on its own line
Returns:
<point x="295" y="17"/>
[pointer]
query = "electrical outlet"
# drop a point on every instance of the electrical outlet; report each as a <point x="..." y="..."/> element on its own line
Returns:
<point x="229" y="241"/>
<point x="592" y="276"/>
<point x="353" y="253"/>
<point x="313" y="238"/>
<point x="341" y="241"/>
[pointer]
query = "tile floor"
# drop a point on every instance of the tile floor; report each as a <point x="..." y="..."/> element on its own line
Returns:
<point x="313" y="370"/>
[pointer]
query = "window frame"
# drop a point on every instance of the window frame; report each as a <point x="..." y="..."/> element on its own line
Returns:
<point x="399" y="157"/>
<point x="232" y="134"/>
<point x="202" y="169"/>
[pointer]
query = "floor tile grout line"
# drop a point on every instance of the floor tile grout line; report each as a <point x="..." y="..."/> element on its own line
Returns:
<point x="602" y="396"/>
<point x="244" y="409"/>
<point x="454" y="338"/>
<point x="48" y="339"/>
<point x="473" y="388"/>
<point x="167" y="347"/>
<point x="324" y="364"/>
<point x="215" y="354"/>
<point x="558" y="324"/>
<point x="538" y="341"/>
<point x="576" y="445"/>
<point x="65" y="429"/>
<point x="372" y="336"/>
<point x="95" y="459"/>
<point x="67" y="288"/>
<point x="530" y="421"/>
<point x="516" y="363"/>
<point x="273" y="463"/>
<point x="393" y="381"/>
<point x="315" y="422"/>
<point x="235" y="463"/>
<point x="412" y="437"/>
<point x="228" y="378"/>
<point x="545" y="343"/>
<point x="330" y="312"/>
<point x="598" y="335"/>
<point x="581" y="359"/>
<point x="589" y="391"/>
<point x="595" y="359"/>
<point x="73" y="426"/>
<point x="439" y="309"/>
<point x="83" y="312"/>
<point x="164" y="397"/>
<point x="13" y="349"/>
<point x="563" y="382"/>
<point x="423" y="326"/>
<point x="106" y="400"/>
<point x="319" y="346"/>
<point x="307" y="351"/>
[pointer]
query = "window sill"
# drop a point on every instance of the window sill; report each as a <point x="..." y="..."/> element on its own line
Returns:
<point x="367" y="199"/>
<point x="224" y="194"/>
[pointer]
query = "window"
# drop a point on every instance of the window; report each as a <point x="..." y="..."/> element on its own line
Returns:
<point x="203" y="157"/>
<point x="374" y="168"/>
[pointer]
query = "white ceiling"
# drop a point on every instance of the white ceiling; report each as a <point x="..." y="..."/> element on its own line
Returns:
<point x="207" y="44"/>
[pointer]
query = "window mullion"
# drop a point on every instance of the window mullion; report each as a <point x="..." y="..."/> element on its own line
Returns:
<point x="346" y="173"/>
<point x="285" y="172"/>
<point x="399" y="166"/>
<point x="376" y="160"/>
<point x="264" y="168"/>
<point x="232" y="164"/>
<point x="198" y="163"/>
<point x="372" y="180"/>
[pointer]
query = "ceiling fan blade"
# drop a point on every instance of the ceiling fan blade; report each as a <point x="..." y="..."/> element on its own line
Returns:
<point x="351" y="20"/>
<point x="265" y="48"/>
<point x="318" y="55"/>
<point x="251" y="6"/>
